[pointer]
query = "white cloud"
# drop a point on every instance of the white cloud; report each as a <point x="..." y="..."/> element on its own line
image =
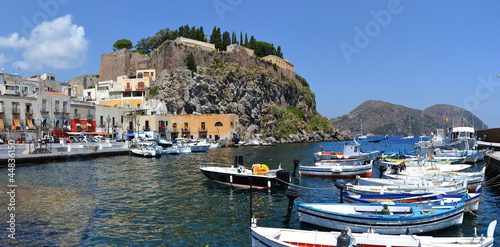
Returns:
<point x="58" y="44"/>
<point x="3" y="59"/>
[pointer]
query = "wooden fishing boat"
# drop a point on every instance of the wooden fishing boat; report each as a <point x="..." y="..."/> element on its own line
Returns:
<point x="280" y="237"/>
<point x="351" y="151"/>
<point x="341" y="168"/>
<point x="382" y="218"/>
<point x="410" y="182"/>
<point x="237" y="176"/>
<point x="471" y="199"/>
<point x="473" y="179"/>
<point x="395" y="189"/>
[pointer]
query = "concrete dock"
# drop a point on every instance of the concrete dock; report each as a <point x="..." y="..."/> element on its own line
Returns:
<point x="65" y="152"/>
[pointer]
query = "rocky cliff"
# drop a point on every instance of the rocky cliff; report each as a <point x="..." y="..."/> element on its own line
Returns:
<point x="272" y="103"/>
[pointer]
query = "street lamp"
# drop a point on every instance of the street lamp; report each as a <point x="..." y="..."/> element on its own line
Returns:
<point x="482" y="103"/>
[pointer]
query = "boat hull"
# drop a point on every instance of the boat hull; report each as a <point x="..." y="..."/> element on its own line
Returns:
<point x="336" y="170"/>
<point x="417" y="222"/>
<point x="471" y="200"/>
<point x="232" y="178"/>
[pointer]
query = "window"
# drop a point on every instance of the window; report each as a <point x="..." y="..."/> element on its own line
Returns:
<point x="44" y="105"/>
<point x="140" y="85"/>
<point x="174" y="125"/>
<point x="102" y="120"/>
<point x="140" y="75"/>
<point x="65" y="106"/>
<point x="202" y="125"/>
<point x="56" y="106"/>
<point x="152" y="74"/>
<point x="186" y="126"/>
<point x="138" y="106"/>
<point x="218" y="124"/>
<point x="128" y="86"/>
<point x="147" y="125"/>
<point x="113" y="121"/>
<point x="122" y="119"/>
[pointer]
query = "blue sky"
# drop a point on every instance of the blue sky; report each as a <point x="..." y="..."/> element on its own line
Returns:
<point x="411" y="53"/>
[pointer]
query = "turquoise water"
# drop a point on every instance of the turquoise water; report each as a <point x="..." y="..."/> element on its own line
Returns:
<point x="166" y="201"/>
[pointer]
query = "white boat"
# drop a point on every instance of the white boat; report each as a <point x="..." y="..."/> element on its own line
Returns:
<point x="395" y="218"/>
<point x="338" y="168"/>
<point x="198" y="147"/>
<point x="461" y="138"/>
<point x="415" y="189"/>
<point x="351" y="151"/>
<point x="368" y="181"/>
<point x="144" y="150"/>
<point x="173" y="150"/>
<point x="184" y="149"/>
<point x="281" y="237"/>
<point x="424" y="167"/>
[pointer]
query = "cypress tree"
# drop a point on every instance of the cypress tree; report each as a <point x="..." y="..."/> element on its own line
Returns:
<point x="246" y="40"/>
<point x="241" y="38"/>
<point x="226" y="40"/>
<point x="233" y="39"/>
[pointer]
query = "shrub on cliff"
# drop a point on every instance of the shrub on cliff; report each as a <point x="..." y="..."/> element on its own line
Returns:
<point x="122" y="44"/>
<point x="191" y="64"/>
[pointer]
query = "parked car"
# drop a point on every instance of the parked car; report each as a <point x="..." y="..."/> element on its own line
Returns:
<point x="72" y="139"/>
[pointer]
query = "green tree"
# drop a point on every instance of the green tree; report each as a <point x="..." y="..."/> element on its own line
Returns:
<point x="226" y="40"/>
<point x="233" y="38"/>
<point x="241" y="38"/>
<point x="122" y="44"/>
<point x="253" y="43"/>
<point x="246" y="40"/>
<point x="215" y="38"/>
<point x="191" y="64"/>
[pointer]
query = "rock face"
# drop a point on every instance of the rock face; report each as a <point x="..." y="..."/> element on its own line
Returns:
<point x="225" y="82"/>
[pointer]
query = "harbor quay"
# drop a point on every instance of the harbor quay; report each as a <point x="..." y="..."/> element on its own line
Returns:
<point x="25" y="154"/>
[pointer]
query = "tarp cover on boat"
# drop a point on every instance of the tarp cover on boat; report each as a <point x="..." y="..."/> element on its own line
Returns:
<point x="130" y="134"/>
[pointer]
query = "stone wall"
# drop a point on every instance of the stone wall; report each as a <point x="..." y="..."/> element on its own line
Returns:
<point x="85" y="80"/>
<point x="114" y="64"/>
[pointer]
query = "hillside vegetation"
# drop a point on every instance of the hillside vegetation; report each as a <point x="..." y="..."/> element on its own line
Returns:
<point x="382" y="118"/>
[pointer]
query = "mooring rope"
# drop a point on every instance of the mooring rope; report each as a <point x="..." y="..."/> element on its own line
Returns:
<point x="303" y="187"/>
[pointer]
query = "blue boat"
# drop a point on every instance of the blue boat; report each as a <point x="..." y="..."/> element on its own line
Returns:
<point x="398" y="218"/>
<point x="471" y="199"/>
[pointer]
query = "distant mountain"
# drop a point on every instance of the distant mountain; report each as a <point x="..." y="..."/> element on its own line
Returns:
<point x="380" y="118"/>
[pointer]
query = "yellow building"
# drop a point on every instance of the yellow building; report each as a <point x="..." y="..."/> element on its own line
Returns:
<point x="200" y="126"/>
<point x="280" y="62"/>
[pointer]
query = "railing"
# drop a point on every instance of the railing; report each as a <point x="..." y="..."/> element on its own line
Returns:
<point x="146" y="128"/>
<point x="202" y="129"/>
<point x="76" y="116"/>
<point x="185" y="130"/>
<point x="175" y="130"/>
<point x="90" y="116"/>
<point x="2" y="110"/>
<point x="16" y="111"/>
<point x="28" y="112"/>
<point x="44" y="110"/>
<point x="128" y="89"/>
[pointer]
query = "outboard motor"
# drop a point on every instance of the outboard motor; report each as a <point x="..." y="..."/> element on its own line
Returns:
<point x="382" y="169"/>
<point x="341" y="185"/>
<point x="284" y="178"/>
<point x="395" y="169"/>
<point x="343" y="240"/>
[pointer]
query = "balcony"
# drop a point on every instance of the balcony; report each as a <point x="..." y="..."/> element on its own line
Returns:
<point x="28" y="112"/>
<point x="44" y="110"/>
<point x="146" y="128"/>
<point x="56" y="111"/>
<point x="2" y="110"/>
<point x="76" y="116"/>
<point x="16" y="111"/>
<point x="128" y="89"/>
<point x="174" y="130"/>
<point x="130" y="129"/>
<point x="162" y="128"/>
<point x="90" y="116"/>
<point x="186" y="130"/>
<point x="202" y="129"/>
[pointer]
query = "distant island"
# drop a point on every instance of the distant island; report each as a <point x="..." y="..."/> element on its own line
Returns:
<point x="380" y="118"/>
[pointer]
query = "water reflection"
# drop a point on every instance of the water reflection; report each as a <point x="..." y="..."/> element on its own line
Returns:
<point x="129" y="200"/>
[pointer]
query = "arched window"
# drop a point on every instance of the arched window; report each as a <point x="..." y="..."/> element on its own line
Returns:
<point x="218" y="124"/>
<point x="140" y="75"/>
<point x="140" y="85"/>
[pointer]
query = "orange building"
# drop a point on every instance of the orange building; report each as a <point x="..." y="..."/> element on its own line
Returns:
<point x="201" y="126"/>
